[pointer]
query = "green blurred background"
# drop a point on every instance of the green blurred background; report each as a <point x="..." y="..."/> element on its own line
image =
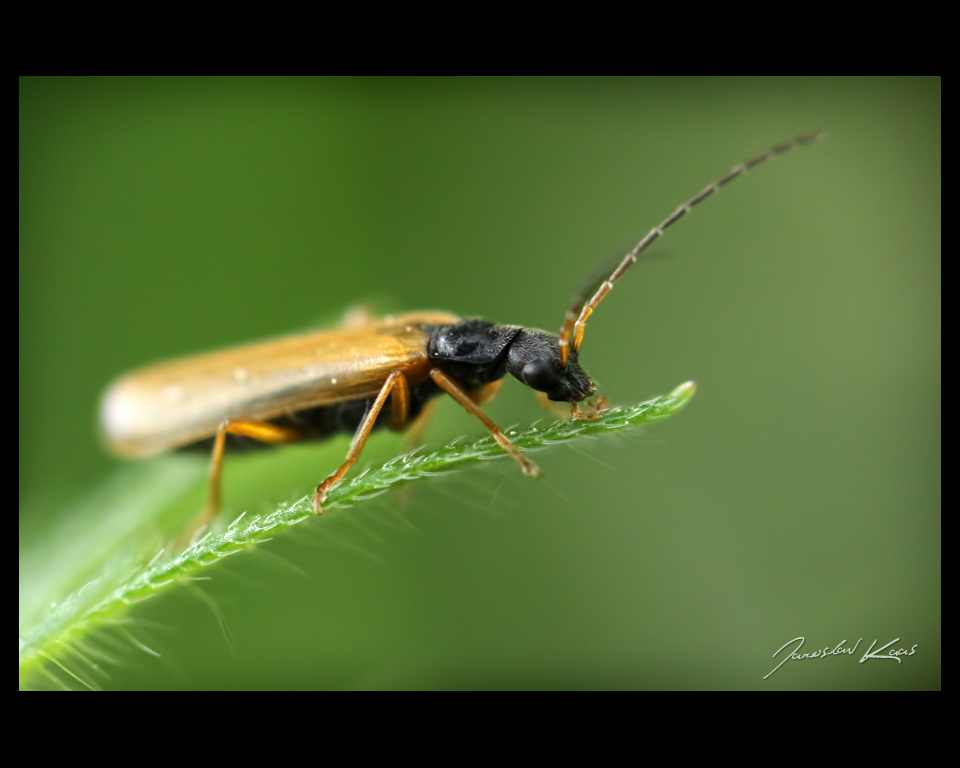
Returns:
<point x="798" y="494"/>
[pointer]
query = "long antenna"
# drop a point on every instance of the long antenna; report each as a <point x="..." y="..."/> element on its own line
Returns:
<point x="576" y="318"/>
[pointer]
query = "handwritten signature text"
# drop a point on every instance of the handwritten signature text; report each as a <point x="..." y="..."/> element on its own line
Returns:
<point x="839" y="650"/>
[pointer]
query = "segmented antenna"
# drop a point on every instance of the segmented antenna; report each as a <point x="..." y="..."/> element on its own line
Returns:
<point x="576" y="318"/>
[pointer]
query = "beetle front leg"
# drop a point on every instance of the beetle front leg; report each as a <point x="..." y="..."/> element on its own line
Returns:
<point x="451" y="387"/>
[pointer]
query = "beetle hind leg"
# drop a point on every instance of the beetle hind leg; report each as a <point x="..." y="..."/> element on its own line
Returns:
<point x="258" y="430"/>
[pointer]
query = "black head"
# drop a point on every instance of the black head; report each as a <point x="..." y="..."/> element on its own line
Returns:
<point x="534" y="359"/>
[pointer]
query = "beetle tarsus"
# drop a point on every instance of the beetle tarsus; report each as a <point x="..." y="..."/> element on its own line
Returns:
<point x="318" y="498"/>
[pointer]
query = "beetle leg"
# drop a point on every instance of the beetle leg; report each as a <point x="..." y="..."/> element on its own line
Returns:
<point x="451" y="387"/>
<point x="258" y="430"/>
<point x="485" y="394"/>
<point x="400" y="404"/>
<point x="360" y="438"/>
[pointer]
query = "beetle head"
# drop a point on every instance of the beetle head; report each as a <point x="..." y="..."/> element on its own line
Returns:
<point x="534" y="359"/>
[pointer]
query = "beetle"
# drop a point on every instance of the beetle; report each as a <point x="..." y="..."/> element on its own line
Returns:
<point x="315" y="385"/>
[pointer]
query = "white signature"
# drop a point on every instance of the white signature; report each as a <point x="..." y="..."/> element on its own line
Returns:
<point x="839" y="651"/>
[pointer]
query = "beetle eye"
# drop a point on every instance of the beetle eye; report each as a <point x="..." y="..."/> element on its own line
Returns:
<point x="539" y="374"/>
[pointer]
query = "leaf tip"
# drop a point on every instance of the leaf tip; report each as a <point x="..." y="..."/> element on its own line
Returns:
<point x="683" y="393"/>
